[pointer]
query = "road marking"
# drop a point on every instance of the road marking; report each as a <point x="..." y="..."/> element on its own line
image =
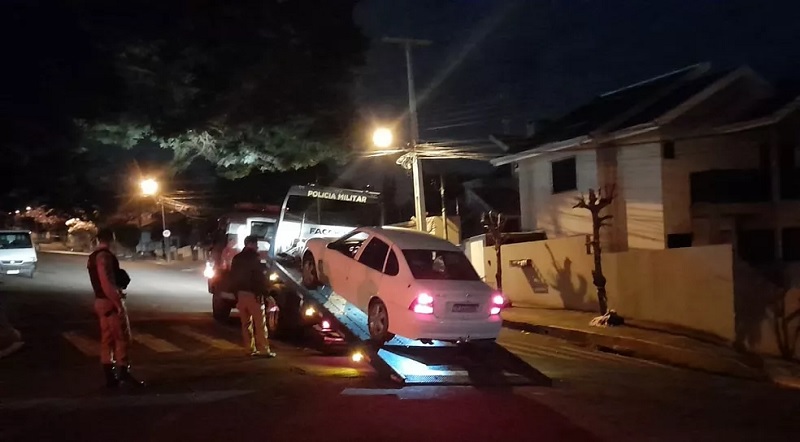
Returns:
<point x="69" y="404"/>
<point x="154" y="343"/>
<point x="214" y="342"/>
<point x="523" y="349"/>
<point x="87" y="346"/>
<point x="570" y="353"/>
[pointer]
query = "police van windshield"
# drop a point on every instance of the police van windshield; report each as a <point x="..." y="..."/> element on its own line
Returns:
<point x="15" y="240"/>
<point x="262" y="229"/>
<point x="331" y="212"/>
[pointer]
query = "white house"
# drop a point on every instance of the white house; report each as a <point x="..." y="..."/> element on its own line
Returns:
<point x="697" y="157"/>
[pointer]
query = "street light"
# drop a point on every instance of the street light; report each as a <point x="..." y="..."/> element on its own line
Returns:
<point x="382" y="138"/>
<point x="149" y="187"/>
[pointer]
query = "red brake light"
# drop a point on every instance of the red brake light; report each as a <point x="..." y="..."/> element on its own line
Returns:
<point x="423" y="304"/>
<point x="498" y="301"/>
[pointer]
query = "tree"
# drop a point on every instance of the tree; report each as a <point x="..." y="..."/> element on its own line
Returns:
<point x="246" y="85"/>
<point x="595" y="204"/>
<point x="494" y="224"/>
<point x="42" y="217"/>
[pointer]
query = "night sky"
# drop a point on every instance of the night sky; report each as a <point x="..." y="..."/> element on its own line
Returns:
<point x="527" y="59"/>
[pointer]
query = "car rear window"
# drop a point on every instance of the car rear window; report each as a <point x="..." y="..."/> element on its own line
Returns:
<point x="15" y="240"/>
<point x="440" y="264"/>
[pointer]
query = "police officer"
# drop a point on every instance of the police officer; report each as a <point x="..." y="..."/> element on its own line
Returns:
<point x="249" y="283"/>
<point x="109" y="305"/>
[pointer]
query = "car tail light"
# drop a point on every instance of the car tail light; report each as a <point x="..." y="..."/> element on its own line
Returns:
<point x="497" y="304"/>
<point x="326" y="325"/>
<point x="423" y="304"/>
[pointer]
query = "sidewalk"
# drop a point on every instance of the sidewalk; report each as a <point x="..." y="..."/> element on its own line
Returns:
<point x="655" y="342"/>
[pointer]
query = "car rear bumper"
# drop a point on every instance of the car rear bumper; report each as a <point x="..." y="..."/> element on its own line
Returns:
<point x="430" y="327"/>
<point x="14" y="268"/>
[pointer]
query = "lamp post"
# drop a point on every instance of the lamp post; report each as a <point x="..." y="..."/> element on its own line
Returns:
<point x="150" y="188"/>
<point x="416" y="166"/>
<point x="383" y="138"/>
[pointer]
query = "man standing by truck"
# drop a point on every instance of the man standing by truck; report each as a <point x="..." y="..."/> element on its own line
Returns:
<point x="249" y="283"/>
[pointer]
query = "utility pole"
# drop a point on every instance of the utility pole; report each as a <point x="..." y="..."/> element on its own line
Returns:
<point x="416" y="169"/>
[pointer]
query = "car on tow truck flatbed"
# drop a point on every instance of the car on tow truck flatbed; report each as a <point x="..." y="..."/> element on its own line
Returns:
<point x="409" y="283"/>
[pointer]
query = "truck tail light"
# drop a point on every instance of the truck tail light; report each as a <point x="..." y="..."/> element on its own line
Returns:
<point x="423" y="304"/>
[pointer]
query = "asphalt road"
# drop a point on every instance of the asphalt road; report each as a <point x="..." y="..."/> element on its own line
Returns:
<point x="203" y="387"/>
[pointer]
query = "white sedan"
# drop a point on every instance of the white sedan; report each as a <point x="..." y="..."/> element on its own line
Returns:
<point x="411" y="284"/>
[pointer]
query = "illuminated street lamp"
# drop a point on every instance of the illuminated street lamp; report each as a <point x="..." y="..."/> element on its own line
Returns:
<point x="382" y="138"/>
<point x="149" y="187"/>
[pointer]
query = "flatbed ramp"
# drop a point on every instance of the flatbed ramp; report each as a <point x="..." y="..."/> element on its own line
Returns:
<point x="411" y="362"/>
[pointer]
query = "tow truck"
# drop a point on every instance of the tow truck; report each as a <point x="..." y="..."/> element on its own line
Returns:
<point x="341" y="325"/>
<point x="310" y="211"/>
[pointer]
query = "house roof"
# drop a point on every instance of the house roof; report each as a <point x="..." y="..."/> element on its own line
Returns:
<point x="624" y="107"/>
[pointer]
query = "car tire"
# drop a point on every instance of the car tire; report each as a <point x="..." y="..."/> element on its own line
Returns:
<point x="310" y="275"/>
<point x="29" y="275"/>
<point x="378" y="322"/>
<point x="220" y="308"/>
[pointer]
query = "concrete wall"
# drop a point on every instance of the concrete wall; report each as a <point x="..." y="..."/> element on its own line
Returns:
<point x="475" y="248"/>
<point x="767" y="315"/>
<point x="541" y="209"/>
<point x="559" y="277"/>
<point x="690" y="287"/>
<point x="687" y="287"/>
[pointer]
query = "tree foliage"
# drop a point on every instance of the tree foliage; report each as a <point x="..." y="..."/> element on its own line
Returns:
<point x="247" y="84"/>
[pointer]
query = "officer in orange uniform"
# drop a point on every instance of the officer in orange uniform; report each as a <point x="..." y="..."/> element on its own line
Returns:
<point x="109" y="305"/>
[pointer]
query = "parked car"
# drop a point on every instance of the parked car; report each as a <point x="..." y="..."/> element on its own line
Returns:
<point x="409" y="283"/>
<point x="17" y="253"/>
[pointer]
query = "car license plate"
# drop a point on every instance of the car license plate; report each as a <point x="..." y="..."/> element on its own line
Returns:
<point x="465" y="308"/>
<point x="13" y="272"/>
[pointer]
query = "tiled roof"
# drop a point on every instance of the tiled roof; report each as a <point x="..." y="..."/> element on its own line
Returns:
<point x="635" y="104"/>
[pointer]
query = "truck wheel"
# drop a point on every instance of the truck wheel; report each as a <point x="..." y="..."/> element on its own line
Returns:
<point x="310" y="276"/>
<point x="378" y="322"/>
<point x="220" y="308"/>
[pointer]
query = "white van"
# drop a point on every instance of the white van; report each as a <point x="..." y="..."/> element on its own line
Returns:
<point x="17" y="253"/>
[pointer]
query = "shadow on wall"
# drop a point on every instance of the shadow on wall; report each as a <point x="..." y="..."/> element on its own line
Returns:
<point x="767" y="310"/>
<point x="574" y="297"/>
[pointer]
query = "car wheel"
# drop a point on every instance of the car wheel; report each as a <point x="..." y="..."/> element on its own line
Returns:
<point x="29" y="275"/>
<point x="220" y="308"/>
<point x="378" y="322"/>
<point x="310" y="276"/>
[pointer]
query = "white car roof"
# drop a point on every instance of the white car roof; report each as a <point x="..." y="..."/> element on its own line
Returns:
<point x="409" y="239"/>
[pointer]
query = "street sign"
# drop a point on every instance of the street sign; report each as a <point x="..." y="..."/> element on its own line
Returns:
<point x="166" y="233"/>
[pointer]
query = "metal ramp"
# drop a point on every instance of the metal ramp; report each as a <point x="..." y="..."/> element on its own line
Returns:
<point x="411" y="362"/>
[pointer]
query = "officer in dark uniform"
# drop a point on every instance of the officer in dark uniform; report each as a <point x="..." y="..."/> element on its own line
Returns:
<point x="250" y="284"/>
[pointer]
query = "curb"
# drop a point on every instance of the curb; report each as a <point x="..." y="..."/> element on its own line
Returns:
<point x="64" y="252"/>
<point x="651" y="351"/>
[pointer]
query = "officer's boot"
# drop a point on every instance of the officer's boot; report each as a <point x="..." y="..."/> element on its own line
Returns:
<point x="111" y="376"/>
<point x="126" y="378"/>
